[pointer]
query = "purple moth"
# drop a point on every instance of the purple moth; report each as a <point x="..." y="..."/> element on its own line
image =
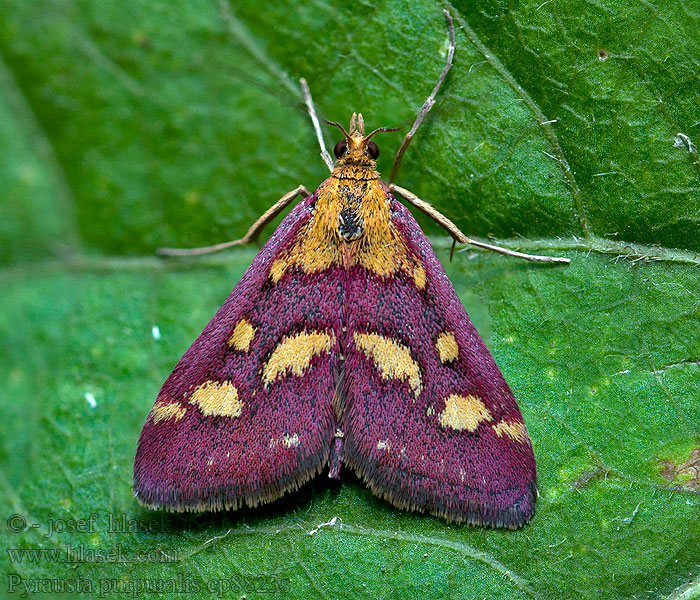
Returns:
<point x="343" y="344"/>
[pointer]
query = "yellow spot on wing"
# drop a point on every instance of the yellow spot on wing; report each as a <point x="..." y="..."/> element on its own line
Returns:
<point x="464" y="412"/>
<point x="242" y="335"/>
<point x="295" y="353"/>
<point x="290" y="441"/>
<point x="278" y="269"/>
<point x="163" y="411"/>
<point x="515" y="430"/>
<point x="446" y="345"/>
<point x="419" y="274"/>
<point x="217" y="398"/>
<point x="393" y="360"/>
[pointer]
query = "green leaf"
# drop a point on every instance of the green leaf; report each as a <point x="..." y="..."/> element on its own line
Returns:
<point x="127" y="126"/>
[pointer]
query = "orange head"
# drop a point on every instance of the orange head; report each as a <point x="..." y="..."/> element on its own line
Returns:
<point x="357" y="149"/>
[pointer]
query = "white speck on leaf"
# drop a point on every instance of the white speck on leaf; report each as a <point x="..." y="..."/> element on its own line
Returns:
<point x="330" y="523"/>
<point x="683" y="141"/>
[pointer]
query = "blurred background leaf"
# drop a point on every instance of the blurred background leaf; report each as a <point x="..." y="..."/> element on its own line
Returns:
<point x="125" y="126"/>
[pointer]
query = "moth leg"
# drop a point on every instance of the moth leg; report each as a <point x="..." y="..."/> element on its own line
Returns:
<point x="428" y="104"/>
<point x="249" y="237"/>
<point x="308" y="100"/>
<point x="457" y="235"/>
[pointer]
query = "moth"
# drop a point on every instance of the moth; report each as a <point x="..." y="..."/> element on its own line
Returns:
<point x="344" y="343"/>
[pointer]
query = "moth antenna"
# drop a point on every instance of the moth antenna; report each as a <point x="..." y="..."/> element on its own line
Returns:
<point x="428" y="104"/>
<point x="367" y="137"/>
<point x="339" y="126"/>
<point x="311" y="109"/>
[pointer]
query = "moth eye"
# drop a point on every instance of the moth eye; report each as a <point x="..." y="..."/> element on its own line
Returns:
<point x="340" y="148"/>
<point x="372" y="150"/>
